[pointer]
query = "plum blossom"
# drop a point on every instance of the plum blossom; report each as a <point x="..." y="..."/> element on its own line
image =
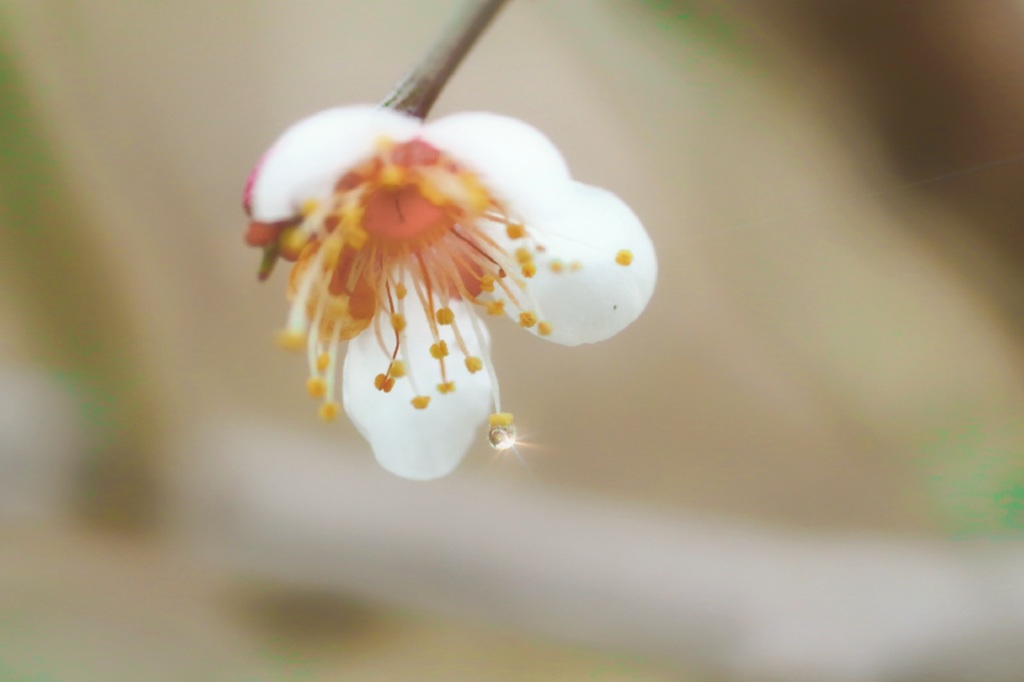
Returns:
<point x="404" y="235"/>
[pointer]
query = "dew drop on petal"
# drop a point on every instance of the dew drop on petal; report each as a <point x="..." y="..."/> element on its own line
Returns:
<point x="502" y="436"/>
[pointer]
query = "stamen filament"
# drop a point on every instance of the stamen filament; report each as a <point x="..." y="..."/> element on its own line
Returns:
<point x="485" y="356"/>
<point x="403" y="348"/>
<point x="313" y="338"/>
<point x="297" y="313"/>
<point x="332" y="368"/>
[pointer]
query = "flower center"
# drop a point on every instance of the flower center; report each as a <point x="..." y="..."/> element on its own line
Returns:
<point x="409" y="225"/>
<point x="403" y="214"/>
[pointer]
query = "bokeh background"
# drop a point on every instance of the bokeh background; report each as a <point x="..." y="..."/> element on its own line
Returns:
<point x="804" y="462"/>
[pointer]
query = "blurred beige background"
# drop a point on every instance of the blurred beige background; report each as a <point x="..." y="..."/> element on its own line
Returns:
<point x="829" y="350"/>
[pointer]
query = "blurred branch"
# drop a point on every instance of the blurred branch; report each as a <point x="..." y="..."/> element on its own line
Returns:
<point x="751" y="603"/>
<point x="418" y="91"/>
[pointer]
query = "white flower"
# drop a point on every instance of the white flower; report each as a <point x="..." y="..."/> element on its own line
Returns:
<point x="404" y="234"/>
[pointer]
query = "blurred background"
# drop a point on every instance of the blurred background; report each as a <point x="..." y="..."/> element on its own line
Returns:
<point x="804" y="462"/>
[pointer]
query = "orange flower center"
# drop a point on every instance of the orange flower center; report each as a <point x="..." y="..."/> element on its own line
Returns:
<point x="409" y="224"/>
<point x="396" y="216"/>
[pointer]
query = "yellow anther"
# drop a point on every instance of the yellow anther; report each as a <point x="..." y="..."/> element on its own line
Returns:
<point x="397" y="369"/>
<point x="527" y="319"/>
<point x="389" y="384"/>
<point x="420" y="402"/>
<point x="445" y="316"/>
<point x="384" y="143"/>
<point x="289" y="339"/>
<point x="557" y="266"/>
<point x="439" y="350"/>
<point x="309" y="207"/>
<point x="447" y="387"/>
<point x="487" y="282"/>
<point x="500" y="419"/>
<point x="575" y="266"/>
<point x="495" y="307"/>
<point x="515" y="231"/>
<point x="328" y="411"/>
<point x="523" y="256"/>
<point x="292" y="240"/>
<point x="323" y="361"/>
<point x="316" y="387"/>
<point x="331" y="250"/>
<point x="398" y="322"/>
<point x="379" y="381"/>
<point x="529" y="270"/>
<point x="392" y="176"/>
<point x="544" y="328"/>
<point x="431" y="193"/>
<point x="400" y="291"/>
<point x="474" y="364"/>
<point x="351" y="214"/>
<point x="356" y="237"/>
<point x="624" y="257"/>
<point x="477" y="195"/>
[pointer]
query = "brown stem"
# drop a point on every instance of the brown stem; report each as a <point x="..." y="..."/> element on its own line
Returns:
<point x="418" y="91"/>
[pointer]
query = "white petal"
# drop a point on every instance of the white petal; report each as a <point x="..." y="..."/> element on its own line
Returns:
<point x="418" y="444"/>
<point x="314" y="153"/>
<point x="516" y="162"/>
<point x="603" y="297"/>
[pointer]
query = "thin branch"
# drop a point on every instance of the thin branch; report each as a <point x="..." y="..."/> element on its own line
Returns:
<point x="418" y="91"/>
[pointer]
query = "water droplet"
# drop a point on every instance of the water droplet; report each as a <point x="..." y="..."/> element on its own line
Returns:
<point x="502" y="437"/>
